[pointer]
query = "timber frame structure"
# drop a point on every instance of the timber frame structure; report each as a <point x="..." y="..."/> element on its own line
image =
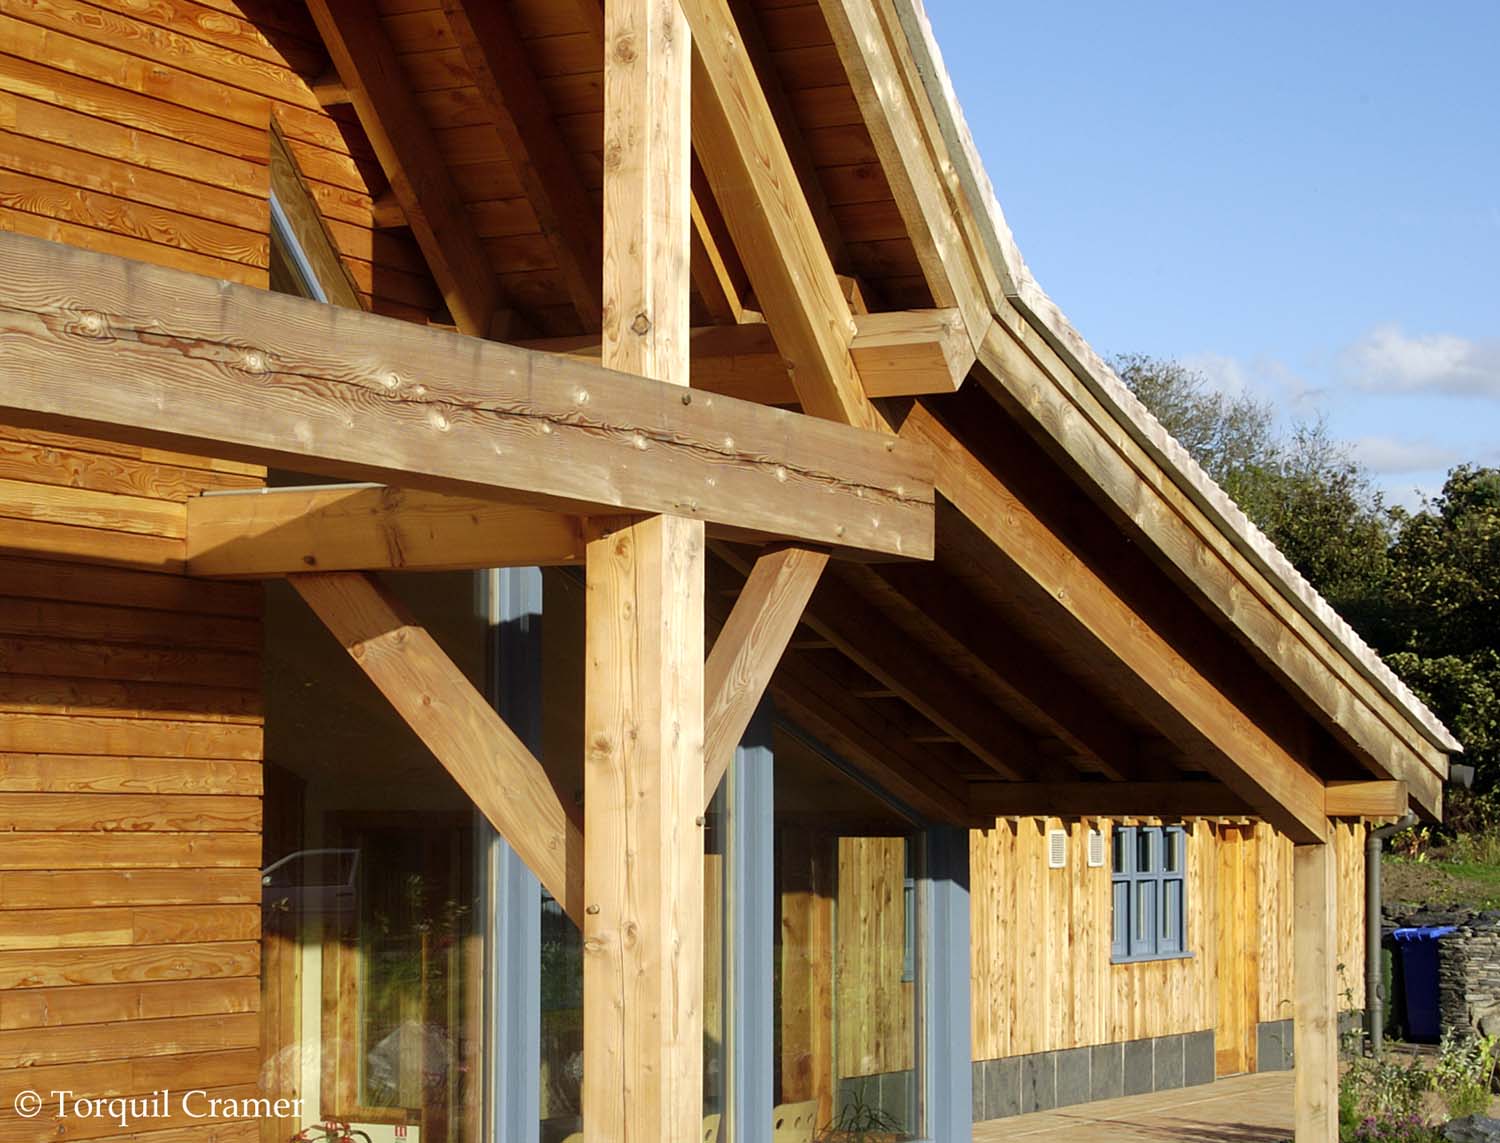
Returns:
<point x="724" y="314"/>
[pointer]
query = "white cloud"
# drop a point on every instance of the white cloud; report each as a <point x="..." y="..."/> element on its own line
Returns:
<point x="1387" y="358"/>
<point x="1265" y="378"/>
<point x="1389" y="456"/>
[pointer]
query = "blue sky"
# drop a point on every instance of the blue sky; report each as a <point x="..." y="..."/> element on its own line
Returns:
<point x="1301" y="200"/>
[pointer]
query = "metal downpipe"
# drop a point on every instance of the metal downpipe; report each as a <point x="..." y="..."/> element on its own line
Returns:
<point x="1374" y="986"/>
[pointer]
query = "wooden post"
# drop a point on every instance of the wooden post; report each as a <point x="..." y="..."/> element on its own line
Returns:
<point x="643" y="845"/>
<point x="1314" y="952"/>
<point x="643" y="705"/>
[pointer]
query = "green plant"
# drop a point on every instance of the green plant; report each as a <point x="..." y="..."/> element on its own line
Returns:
<point x="1381" y="1099"/>
<point x="1412" y="843"/>
<point x="1465" y="1074"/>
<point x="861" y="1122"/>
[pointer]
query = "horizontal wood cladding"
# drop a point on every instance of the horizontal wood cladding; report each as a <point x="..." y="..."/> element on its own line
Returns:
<point x="130" y="782"/>
<point x="142" y="130"/>
<point x="1042" y="977"/>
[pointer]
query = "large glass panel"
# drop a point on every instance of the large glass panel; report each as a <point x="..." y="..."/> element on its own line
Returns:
<point x="371" y="956"/>
<point x="846" y="1014"/>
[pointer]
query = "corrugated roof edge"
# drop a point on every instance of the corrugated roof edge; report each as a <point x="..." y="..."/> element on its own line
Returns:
<point x="1134" y="417"/>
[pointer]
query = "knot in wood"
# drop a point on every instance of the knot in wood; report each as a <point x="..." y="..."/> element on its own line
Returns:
<point x="641" y="326"/>
<point x="625" y="49"/>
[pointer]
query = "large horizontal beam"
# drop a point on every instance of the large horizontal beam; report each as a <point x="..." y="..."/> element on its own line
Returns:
<point x="1103" y="799"/>
<point x="370" y="527"/>
<point x="99" y="345"/>
<point x="1167" y="689"/>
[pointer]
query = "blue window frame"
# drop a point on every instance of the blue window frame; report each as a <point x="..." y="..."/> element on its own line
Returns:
<point x="1150" y="893"/>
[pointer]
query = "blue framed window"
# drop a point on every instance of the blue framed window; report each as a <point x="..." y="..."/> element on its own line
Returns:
<point x="1149" y="871"/>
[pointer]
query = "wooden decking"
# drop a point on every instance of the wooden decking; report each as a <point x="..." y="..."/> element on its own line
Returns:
<point x="1245" y="1109"/>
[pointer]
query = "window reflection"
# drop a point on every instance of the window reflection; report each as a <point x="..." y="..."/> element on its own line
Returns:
<point x="371" y="955"/>
<point x="846" y="971"/>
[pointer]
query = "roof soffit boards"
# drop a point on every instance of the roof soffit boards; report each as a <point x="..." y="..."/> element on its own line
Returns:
<point x="1022" y="302"/>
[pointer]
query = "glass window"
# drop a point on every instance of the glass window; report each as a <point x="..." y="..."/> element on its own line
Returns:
<point x="1150" y="895"/>
<point x="845" y="1002"/>
<point x="371" y="954"/>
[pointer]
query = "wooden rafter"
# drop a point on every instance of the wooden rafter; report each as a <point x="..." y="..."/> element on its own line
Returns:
<point x="370" y="527"/>
<point x="717" y="271"/>
<point x="369" y="68"/>
<point x="1023" y="671"/>
<point x="749" y="646"/>
<point x="1168" y="690"/>
<point x="746" y="161"/>
<point x="518" y="108"/>
<point x="1029" y="379"/>
<point x="911" y="672"/>
<point x="788" y="126"/>
<point x="473" y="743"/>
<point x="869" y="43"/>
<point x="245" y="374"/>
<point x="821" y="703"/>
<point x="992" y="800"/>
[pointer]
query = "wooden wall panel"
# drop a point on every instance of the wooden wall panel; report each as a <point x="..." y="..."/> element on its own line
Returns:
<point x="130" y="781"/>
<point x="1042" y="976"/>
<point x="142" y="130"/>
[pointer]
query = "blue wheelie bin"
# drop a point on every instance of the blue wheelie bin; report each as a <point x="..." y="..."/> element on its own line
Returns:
<point x="1418" y="946"/>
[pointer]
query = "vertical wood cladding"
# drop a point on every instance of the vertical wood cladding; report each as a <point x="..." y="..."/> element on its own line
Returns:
<point x="1042" y="976"/>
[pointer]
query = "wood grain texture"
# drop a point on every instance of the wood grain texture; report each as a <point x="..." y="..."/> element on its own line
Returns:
<point x="1366" y="799"/>
<point x="364" y="527"/>
<point x="354" y="394"/>
<point x="412" y="162"/>
<point x="748" y="648"/>
<point x="747" y="164"/>
<point x="473" y="743"/>
<point x="1184" y="705"/>
<point x="643" y="800"/>
<point x="1315" y="949"/>
<point x="519" y="112"/>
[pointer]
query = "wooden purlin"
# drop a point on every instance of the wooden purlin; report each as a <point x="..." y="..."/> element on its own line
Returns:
<point x="356" y="395"/>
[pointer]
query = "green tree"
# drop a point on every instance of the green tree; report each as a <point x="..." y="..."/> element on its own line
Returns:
<point x="1301" y="488"/>
<point x="1422" y="588"/>
<point x="1442" y="626"/>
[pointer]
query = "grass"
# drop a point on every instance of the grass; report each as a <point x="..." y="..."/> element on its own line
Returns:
<point x="1435" y="880"/>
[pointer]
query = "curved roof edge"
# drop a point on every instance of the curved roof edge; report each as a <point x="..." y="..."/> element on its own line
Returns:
<point x="1049" y="320"/>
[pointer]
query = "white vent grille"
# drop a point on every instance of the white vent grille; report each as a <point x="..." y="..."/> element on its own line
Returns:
<point x="1057" y="848"/>
<point x="1096" y="848"/>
